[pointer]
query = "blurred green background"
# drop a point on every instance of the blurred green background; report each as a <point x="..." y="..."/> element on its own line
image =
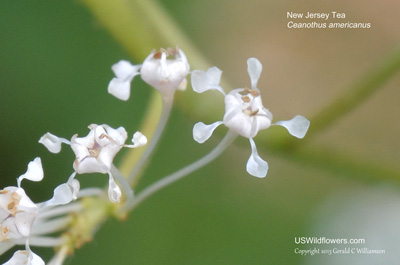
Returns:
<point x="55" y="65"/>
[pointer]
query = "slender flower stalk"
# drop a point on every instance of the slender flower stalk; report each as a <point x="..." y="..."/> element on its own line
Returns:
<point x="166" y="71"/>
<point x="59" y="257"/>
<point x="123" y="183"/>
<point x="51" y="226"/>
<point x="166" y="110"/>
<point x="51" y="212"/>
<point x="167" y="180"/>
<point x="45" y="241"/>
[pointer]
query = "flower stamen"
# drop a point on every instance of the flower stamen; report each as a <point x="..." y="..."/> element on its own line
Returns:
<point x="11" y="206"/>
<point x="104" y="135"/>
<point x="254" y="93"/>
<point x="168" y="52"/>
<point x="94" y="152"/>
<point x="246" y="99"/>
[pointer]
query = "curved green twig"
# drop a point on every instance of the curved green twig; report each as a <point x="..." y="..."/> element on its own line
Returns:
<point x="357" y="93"/>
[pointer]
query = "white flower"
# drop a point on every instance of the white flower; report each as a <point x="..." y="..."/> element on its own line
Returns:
<point x="94" y="154"/>
<point x="244" y="113"/>
<point x="25" y="257"/>
<point x="165" y="70"/>
<point x="165" y="74"/>
<point x="17" y="211"/>
<point x="96" y="151"/>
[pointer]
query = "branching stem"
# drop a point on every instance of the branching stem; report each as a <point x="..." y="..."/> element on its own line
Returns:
<point x="167" y="180"/>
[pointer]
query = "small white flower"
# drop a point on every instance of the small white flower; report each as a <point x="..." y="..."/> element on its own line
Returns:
<point x="17" y="211"/>
<point x="165" y="70"/>
<point x="94" y="154"/>
<point x="25" y="257"/>
<point x="244" y="113"/>
<point x="165" y="74"/>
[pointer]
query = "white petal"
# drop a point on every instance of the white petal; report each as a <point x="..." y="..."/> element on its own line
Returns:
<point x="23" y="222"/>
<point x="125" y="70"/>
<point x="25" y="203"/>
<point x="297" y="126"/>
<point x="255" y="165"/>
<point x="199" y="81"/>
<point x="254" y="68"/>
<point x="139" y="139"/>
<point x="63" y="194"/>
<point x="74" y="186"/>
<point x="182" y="86"/>
<point x="101" y="136"/>
<point x="201" y="131"/>
<point x="20" y="257"/>
<point x="52" y="142"/>
<point x="214" y="75"/>
<point x="36" y="260"/>
<point x="114" y="192"/>
<point x="203" y="81"/>
<point x="120" y="89"/>
<point x="25" y="257"/>
<point x="118" y="135"/>
<point x="34" y="172"/>
<point x="165" y="73"/>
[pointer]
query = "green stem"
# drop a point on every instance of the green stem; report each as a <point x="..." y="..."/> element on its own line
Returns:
<point x="357" y="93"/>
<point x="167" y="180"/>
<point x="138" y="167"/>
<point x="125" y="24"/>
<point x="123" y="183"/>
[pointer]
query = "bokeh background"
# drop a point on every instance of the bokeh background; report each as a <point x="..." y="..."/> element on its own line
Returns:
<point x="55" y="60"/>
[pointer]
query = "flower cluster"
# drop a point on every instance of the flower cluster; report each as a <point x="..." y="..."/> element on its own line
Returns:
<point x="23" y="222"/>
<point x="20" y="217"/>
